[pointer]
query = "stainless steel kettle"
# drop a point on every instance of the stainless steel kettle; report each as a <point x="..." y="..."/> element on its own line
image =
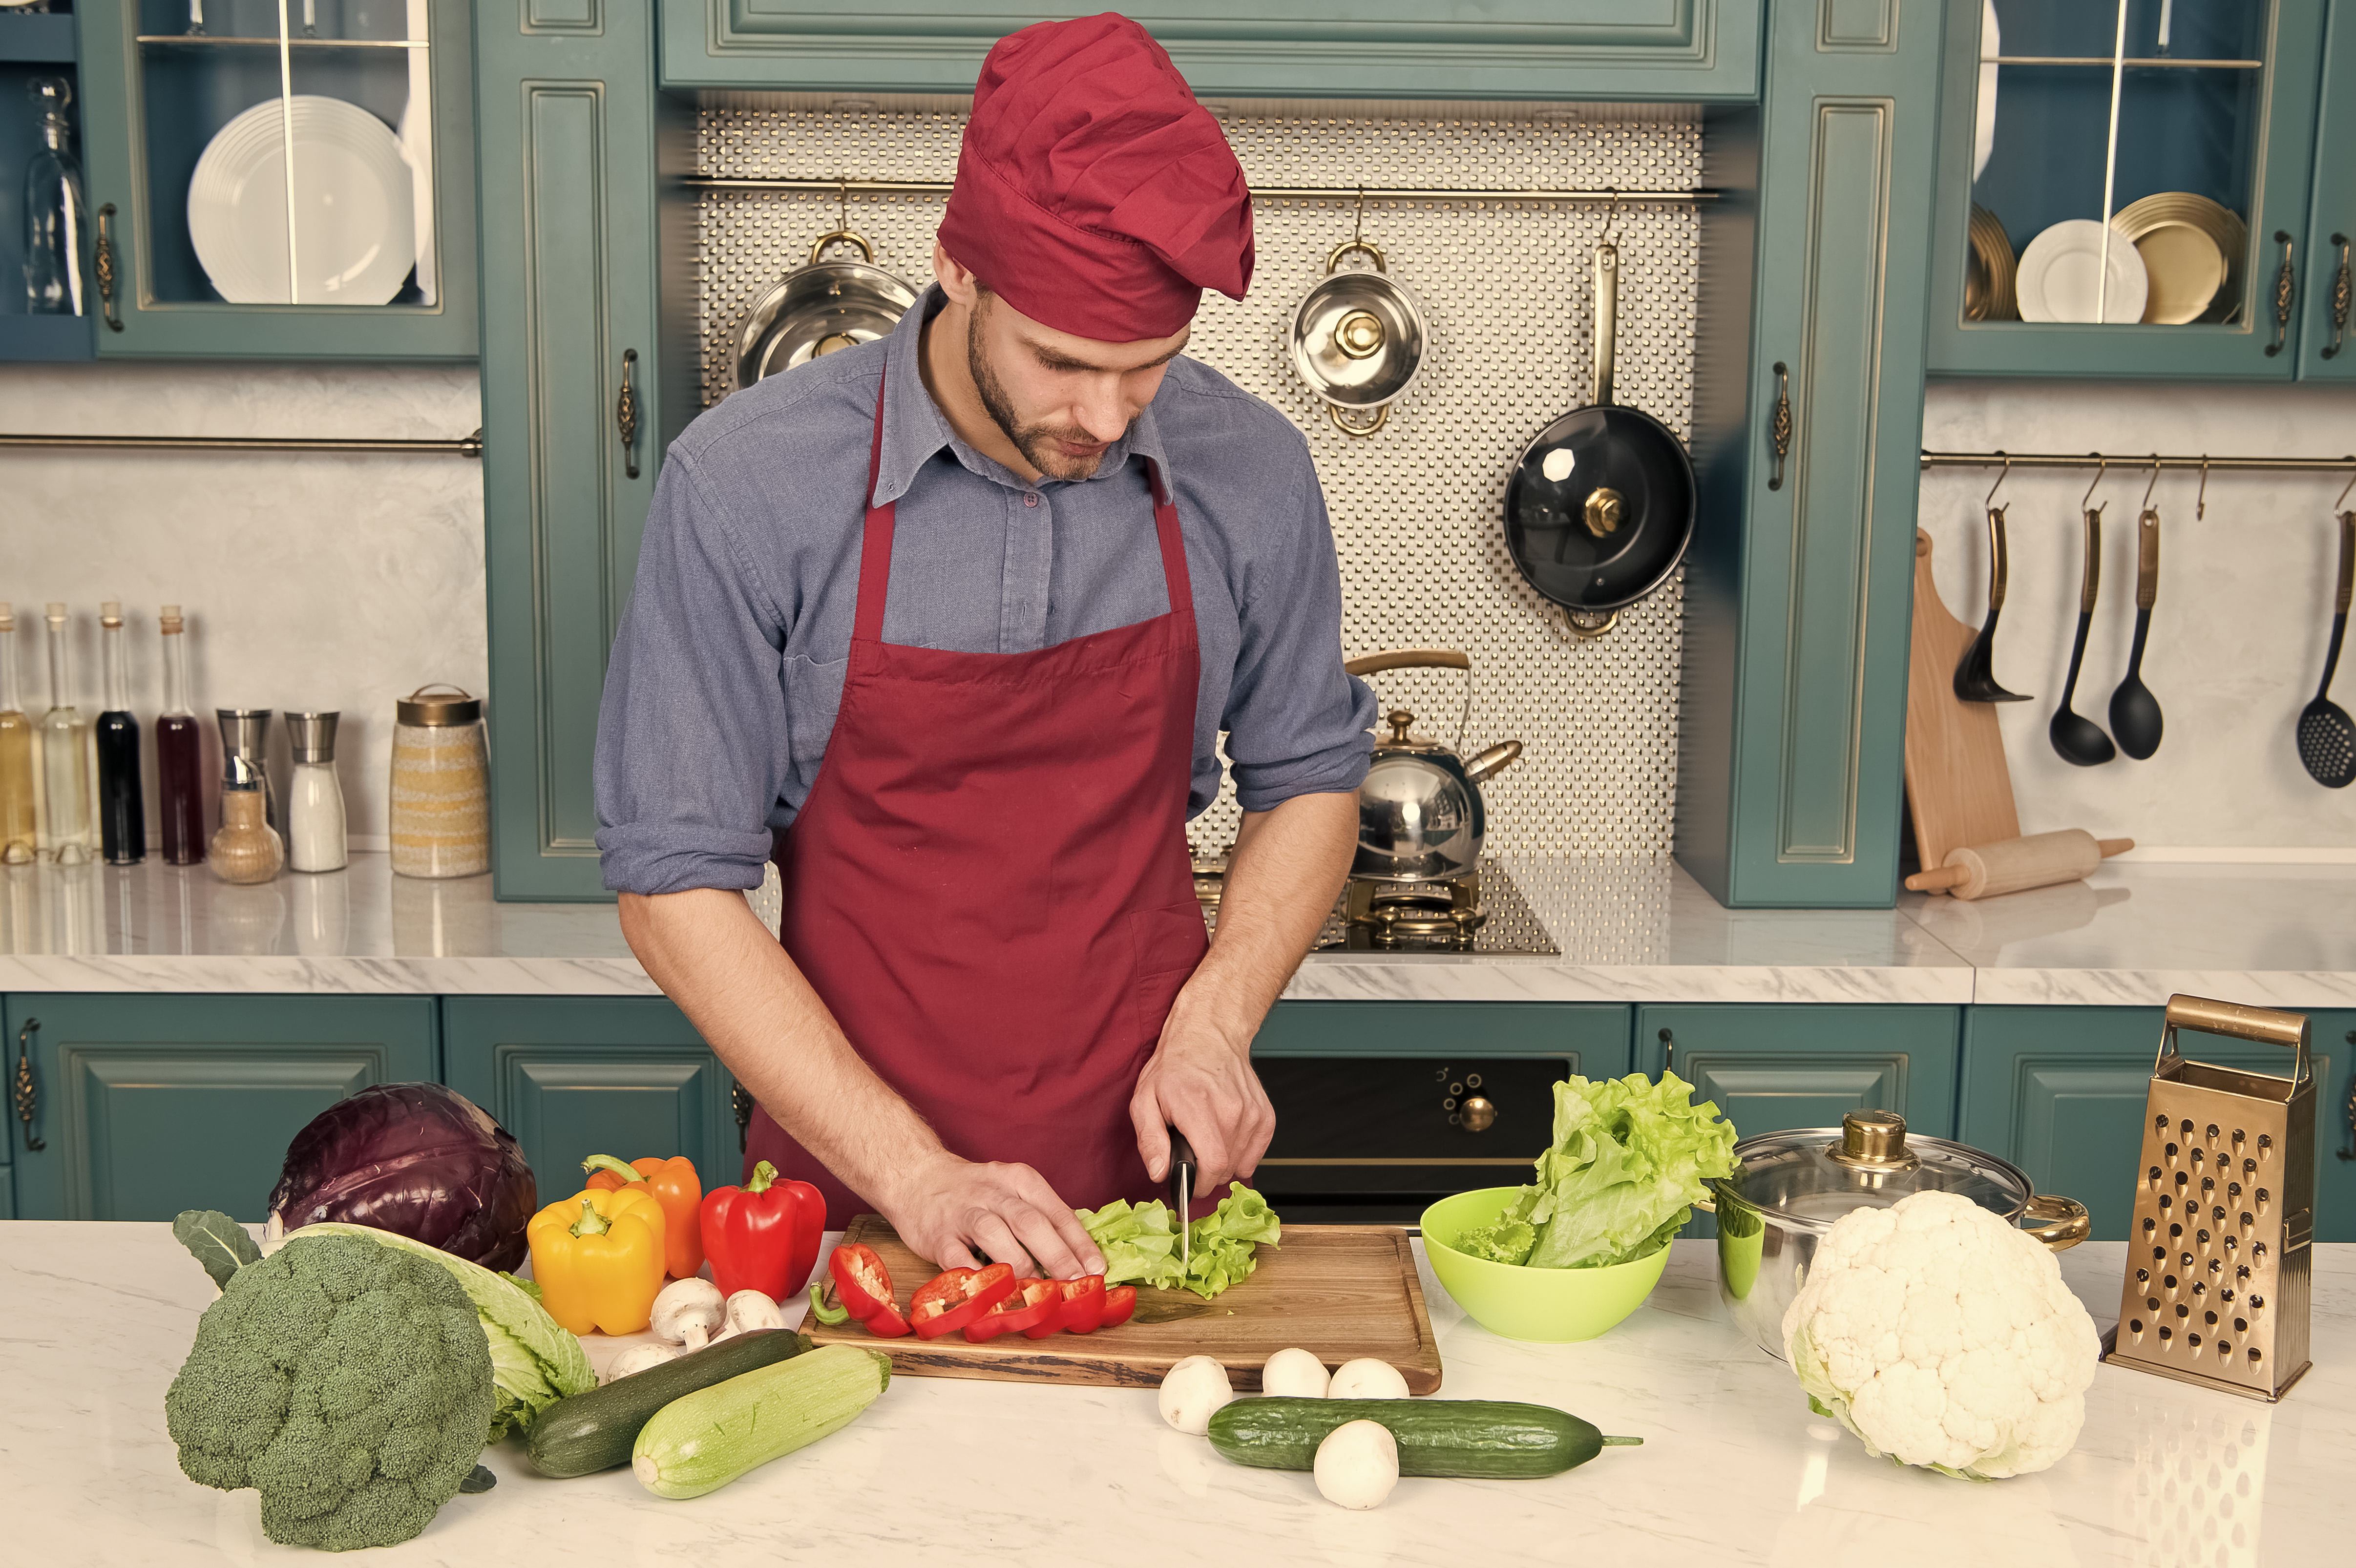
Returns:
<point x="1420" y="813"/>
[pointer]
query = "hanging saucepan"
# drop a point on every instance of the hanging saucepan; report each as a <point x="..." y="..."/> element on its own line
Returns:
<point x="820" y="308"/>
<point x="1419" y="811"/>
<point x="1357" y="340"/>
<point x="1600" y="506"/>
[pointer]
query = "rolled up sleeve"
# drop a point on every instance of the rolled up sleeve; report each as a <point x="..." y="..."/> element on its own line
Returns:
<point x="692" y="744"/>
<point x="1297" y="722"/>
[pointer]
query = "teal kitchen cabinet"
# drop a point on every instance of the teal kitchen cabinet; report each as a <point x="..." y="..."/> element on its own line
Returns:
<point x="576" y="263"/>
<point x="184" y="131"/>
<point x="1774" y="1067"/>
<point x="34" y="46"/>
<point x="1798" y="582"/>
<point x="1682" y="50"/>
<point x="147" y="1105"/>
<point x="2060" y="1091"/>
<point x="2213" y="97"/>
<point x="2327" y="341"/>
<point x="573" y="1076"/>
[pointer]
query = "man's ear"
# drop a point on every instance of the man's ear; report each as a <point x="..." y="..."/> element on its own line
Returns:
<point x="957" y="280"/>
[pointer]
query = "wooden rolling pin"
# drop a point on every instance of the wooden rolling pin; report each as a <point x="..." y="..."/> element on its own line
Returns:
<point x="2010" y="865"/>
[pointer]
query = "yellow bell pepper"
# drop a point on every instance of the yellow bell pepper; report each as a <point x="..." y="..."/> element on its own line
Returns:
<point x="597" y="1258"/>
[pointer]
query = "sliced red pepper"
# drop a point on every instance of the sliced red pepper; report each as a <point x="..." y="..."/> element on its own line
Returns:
<point x="1029" y="1304"/>
<point x="1079" y="1305"/>
<point x="955" y="1297"/>
<point x="1120" y="1302"/>
<point x="861" y="1281"/>
<point x="887" y="1324"/>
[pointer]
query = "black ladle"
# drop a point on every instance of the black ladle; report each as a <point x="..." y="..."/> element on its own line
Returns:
<point x="2135" y="711"/>
<point x="2078" y="739"/>
<point x="2327" y="737"/>
<point x="1975" y="674"/>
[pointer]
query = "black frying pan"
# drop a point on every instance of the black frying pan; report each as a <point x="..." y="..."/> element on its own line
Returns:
<point x="1601" y="507"/>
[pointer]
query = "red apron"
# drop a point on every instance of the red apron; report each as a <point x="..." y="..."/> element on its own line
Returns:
<point x="988" y="883"/>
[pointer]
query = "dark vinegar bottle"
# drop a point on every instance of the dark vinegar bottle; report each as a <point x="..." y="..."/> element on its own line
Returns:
<point x="179" y="765"/>
<point x="122" y="808"/>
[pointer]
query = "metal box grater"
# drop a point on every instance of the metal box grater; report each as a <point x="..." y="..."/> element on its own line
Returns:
<point x="2219" y="1252"/>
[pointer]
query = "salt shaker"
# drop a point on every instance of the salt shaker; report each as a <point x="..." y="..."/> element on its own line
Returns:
<point x="314" y="800"/>
<point x="441" y="786"/>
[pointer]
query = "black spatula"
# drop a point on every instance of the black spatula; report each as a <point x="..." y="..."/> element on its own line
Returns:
<point x="2327" y="737"/>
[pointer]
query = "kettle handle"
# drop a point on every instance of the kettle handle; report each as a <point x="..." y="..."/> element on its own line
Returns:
<point x="1408" y="658"/>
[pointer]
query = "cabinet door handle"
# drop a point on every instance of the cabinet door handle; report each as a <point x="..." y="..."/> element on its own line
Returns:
<point x="2340" y="289"/>
<point x="1668" y="1050"/>
<point x="103" y="263"/>
<point x="2285" y="288"/>
<point x="25" y="1094"/>
<point x="742" y="1102"/>
<point x="625" y="413"/>
<point x="1779" y="430"/>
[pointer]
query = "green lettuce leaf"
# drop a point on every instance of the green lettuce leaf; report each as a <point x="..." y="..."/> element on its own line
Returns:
<point x="1140" y="1241"/>
<point x="1506" y="1241"/>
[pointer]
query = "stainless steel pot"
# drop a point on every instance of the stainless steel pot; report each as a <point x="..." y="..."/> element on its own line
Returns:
<point x="1776" y="1213"/>
<point x="820" y="309"/>
<point x="1419" y="811"/>
<point x="1357" y="340"/>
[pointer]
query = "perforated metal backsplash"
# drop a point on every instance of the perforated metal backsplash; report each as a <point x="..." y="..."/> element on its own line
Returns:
<point x="1416" y="507"/>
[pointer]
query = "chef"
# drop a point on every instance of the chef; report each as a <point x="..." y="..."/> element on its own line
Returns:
<point x="949" y="623"/>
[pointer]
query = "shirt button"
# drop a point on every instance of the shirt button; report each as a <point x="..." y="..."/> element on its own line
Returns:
<point x="1030" y="497"/>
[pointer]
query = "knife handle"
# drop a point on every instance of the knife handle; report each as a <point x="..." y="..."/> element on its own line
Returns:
<point x="1181" y="1159"/>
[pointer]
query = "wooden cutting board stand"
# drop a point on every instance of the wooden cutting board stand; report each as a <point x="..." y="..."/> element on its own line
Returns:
<point x="1340" y="1290"/>
<point x="1958" y="790"/>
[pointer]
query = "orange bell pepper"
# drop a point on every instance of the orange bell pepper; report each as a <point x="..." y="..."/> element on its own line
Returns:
<point x="597" y="1258"/>
<point x="677" y="1188"/>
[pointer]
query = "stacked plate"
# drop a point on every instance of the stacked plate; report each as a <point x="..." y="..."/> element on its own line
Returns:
<point x="355" y="225"/>
<point x="2192" y="250"/>
<point x="2062" y="274"/>
<point x="1989" y="275"/>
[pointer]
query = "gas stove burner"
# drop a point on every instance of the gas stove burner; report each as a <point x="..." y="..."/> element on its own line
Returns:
<point x="1433" y="916"/>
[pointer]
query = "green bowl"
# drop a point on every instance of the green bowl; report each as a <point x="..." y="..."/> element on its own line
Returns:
<point x="1550" y="1305"/>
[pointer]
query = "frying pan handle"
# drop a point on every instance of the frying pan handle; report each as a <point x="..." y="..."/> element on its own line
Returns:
<point x="842" y="236"/>
<point x="2238" y="1021"/>
<point x="2146" y="559"/>
<point x="1607" y="317"/>
<point x="1408" y="658"/>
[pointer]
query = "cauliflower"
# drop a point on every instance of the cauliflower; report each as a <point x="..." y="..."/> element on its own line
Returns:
<point x="1944" y="1336"/>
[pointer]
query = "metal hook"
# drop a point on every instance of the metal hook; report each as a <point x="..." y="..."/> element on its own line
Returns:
<point x="2153" y="483"/>
<point x="1611" y="215"/>
<point x="842" y="201"/>
<point x="2101" y="464"/>
<point x="1358" y="229"/>
<point x="1999" y="478"/>
<point x="2343" y="494"/>
<point x="2201" y="507"/>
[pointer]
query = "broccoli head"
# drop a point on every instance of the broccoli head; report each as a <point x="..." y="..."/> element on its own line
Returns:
<point x="349" y="1383"/>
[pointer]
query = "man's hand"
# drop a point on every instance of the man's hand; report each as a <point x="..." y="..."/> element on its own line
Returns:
<point x="1202" y="1082"/>
<point x="958" y="1212"/>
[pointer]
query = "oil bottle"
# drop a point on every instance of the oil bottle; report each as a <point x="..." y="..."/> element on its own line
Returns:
<point x="179" y="766"/>
<point x="18" y="832"/>
<point x="122" y="807"/>
<point x="65" y="758"/>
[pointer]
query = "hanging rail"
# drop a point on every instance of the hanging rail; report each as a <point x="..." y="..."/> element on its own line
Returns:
<point x="1284" y="193"/>
<point x="464" y="446"/>
<point x="2137" y="462"/>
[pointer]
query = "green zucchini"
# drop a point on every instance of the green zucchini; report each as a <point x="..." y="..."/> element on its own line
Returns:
<point x="709" y="1438"/>
<point x="1489" y="1438"/>
<point x="594" y="1430"/>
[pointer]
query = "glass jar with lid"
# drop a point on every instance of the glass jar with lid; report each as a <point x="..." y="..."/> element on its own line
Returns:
<point x="440" y="814"/>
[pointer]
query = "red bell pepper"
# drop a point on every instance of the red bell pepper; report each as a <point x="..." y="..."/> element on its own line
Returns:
<point x="955" y="1297"/>
<point x="863" y="1285"/>
<point x="1079" y="1303"/>
<point x="1120" y="1302"/>
<point x="1031" y="1303"/>
<point x="763" y="1236"/>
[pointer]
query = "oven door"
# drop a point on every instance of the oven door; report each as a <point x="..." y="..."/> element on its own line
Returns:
<point x="1380" y="1139"/>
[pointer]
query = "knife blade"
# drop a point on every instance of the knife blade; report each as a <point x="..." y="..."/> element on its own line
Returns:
<point x="1182" y="1192"/>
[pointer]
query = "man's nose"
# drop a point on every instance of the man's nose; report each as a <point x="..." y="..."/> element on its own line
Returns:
<point x="1102" y="411"/>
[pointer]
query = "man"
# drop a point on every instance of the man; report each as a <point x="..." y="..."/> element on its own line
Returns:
<point x="961" y="613"/>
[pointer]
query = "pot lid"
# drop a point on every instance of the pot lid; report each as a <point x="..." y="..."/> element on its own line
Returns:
<point x="1813" y="1176"/>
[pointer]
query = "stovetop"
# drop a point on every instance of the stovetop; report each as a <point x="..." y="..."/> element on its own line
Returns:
<point x="1512" y="929"/>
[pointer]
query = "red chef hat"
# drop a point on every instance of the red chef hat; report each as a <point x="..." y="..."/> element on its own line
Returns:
<point x="1093" y="193"/>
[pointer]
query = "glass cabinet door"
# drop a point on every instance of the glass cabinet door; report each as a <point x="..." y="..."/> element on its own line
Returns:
<point x="2123" y="185"/>
<point x="294" y="177"/>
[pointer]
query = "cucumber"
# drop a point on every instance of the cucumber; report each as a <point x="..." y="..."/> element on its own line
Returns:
<point x="594" y="1430"/>
<point x="715" y="1435"/>
<point x="1489" y="1438"/>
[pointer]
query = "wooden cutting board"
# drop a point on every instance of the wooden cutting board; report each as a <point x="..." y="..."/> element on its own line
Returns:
<point x="1342" y="1291"/>
<point x="1958" y="790"/>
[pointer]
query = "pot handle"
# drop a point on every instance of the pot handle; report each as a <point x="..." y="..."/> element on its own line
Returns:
<point x="1382" y="412"/>
<point x="1607" y="318"/>
<point x="842" y="236"/>
<point x="2067" y="1221"/>
<point x="1367" y="248"/>
<point x="1408" y="658"/>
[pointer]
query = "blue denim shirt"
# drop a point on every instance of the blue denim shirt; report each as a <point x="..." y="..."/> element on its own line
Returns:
<point x="728" y="668"/>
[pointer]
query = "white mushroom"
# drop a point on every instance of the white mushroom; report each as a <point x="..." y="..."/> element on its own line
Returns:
<point x="749" y="1310"/>
<point x="1294" y="1374"/>
<point x="1367" y="1378"/>
<point x="1193" y="1391"/>
<point x="1358" y="1464"/>
<point x="638" y="1358"/>
<point x="686" y="1312"/>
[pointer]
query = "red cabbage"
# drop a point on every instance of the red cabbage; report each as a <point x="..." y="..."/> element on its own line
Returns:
<point x="419" y="1160"/>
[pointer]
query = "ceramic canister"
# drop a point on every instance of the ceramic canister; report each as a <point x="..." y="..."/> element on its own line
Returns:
<point x="441" y="786"/>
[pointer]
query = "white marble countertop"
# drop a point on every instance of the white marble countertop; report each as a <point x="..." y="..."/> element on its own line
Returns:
<point x="1629" y="931"/>
<point x="1734" y="1468"/>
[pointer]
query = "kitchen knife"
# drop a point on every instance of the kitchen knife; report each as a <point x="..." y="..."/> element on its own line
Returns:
<point x="1182" y="1192"/>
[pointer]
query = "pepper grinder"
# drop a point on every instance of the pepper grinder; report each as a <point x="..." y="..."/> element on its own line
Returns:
<point x="314" y="800"/>
<point x="245" y="734"/>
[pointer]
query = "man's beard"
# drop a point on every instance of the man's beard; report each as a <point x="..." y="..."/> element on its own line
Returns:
<point x="1033" y="441"/>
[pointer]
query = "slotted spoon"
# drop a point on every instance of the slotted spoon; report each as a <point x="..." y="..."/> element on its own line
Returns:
<point x="2327" y="737"/>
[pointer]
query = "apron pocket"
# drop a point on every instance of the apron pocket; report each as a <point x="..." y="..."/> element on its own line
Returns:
<point x="1166" y="942"/>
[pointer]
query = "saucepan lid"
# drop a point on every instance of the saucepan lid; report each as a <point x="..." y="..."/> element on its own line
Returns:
<point x="1810" y="1177"/>
<point x="819" y="309"/>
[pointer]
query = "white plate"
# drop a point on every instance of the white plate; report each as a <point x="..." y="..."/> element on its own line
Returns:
<point x="2060" y="273"/>
<point x="354" y="202"/>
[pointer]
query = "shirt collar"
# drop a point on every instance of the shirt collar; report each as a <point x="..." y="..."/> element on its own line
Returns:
<point x="914" y="429"/>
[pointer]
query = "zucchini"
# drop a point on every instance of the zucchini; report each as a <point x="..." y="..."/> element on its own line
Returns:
<point x="1489" y="1438"/>
<point x="594" y="1430"/>
<point x="709" y="1438"/>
